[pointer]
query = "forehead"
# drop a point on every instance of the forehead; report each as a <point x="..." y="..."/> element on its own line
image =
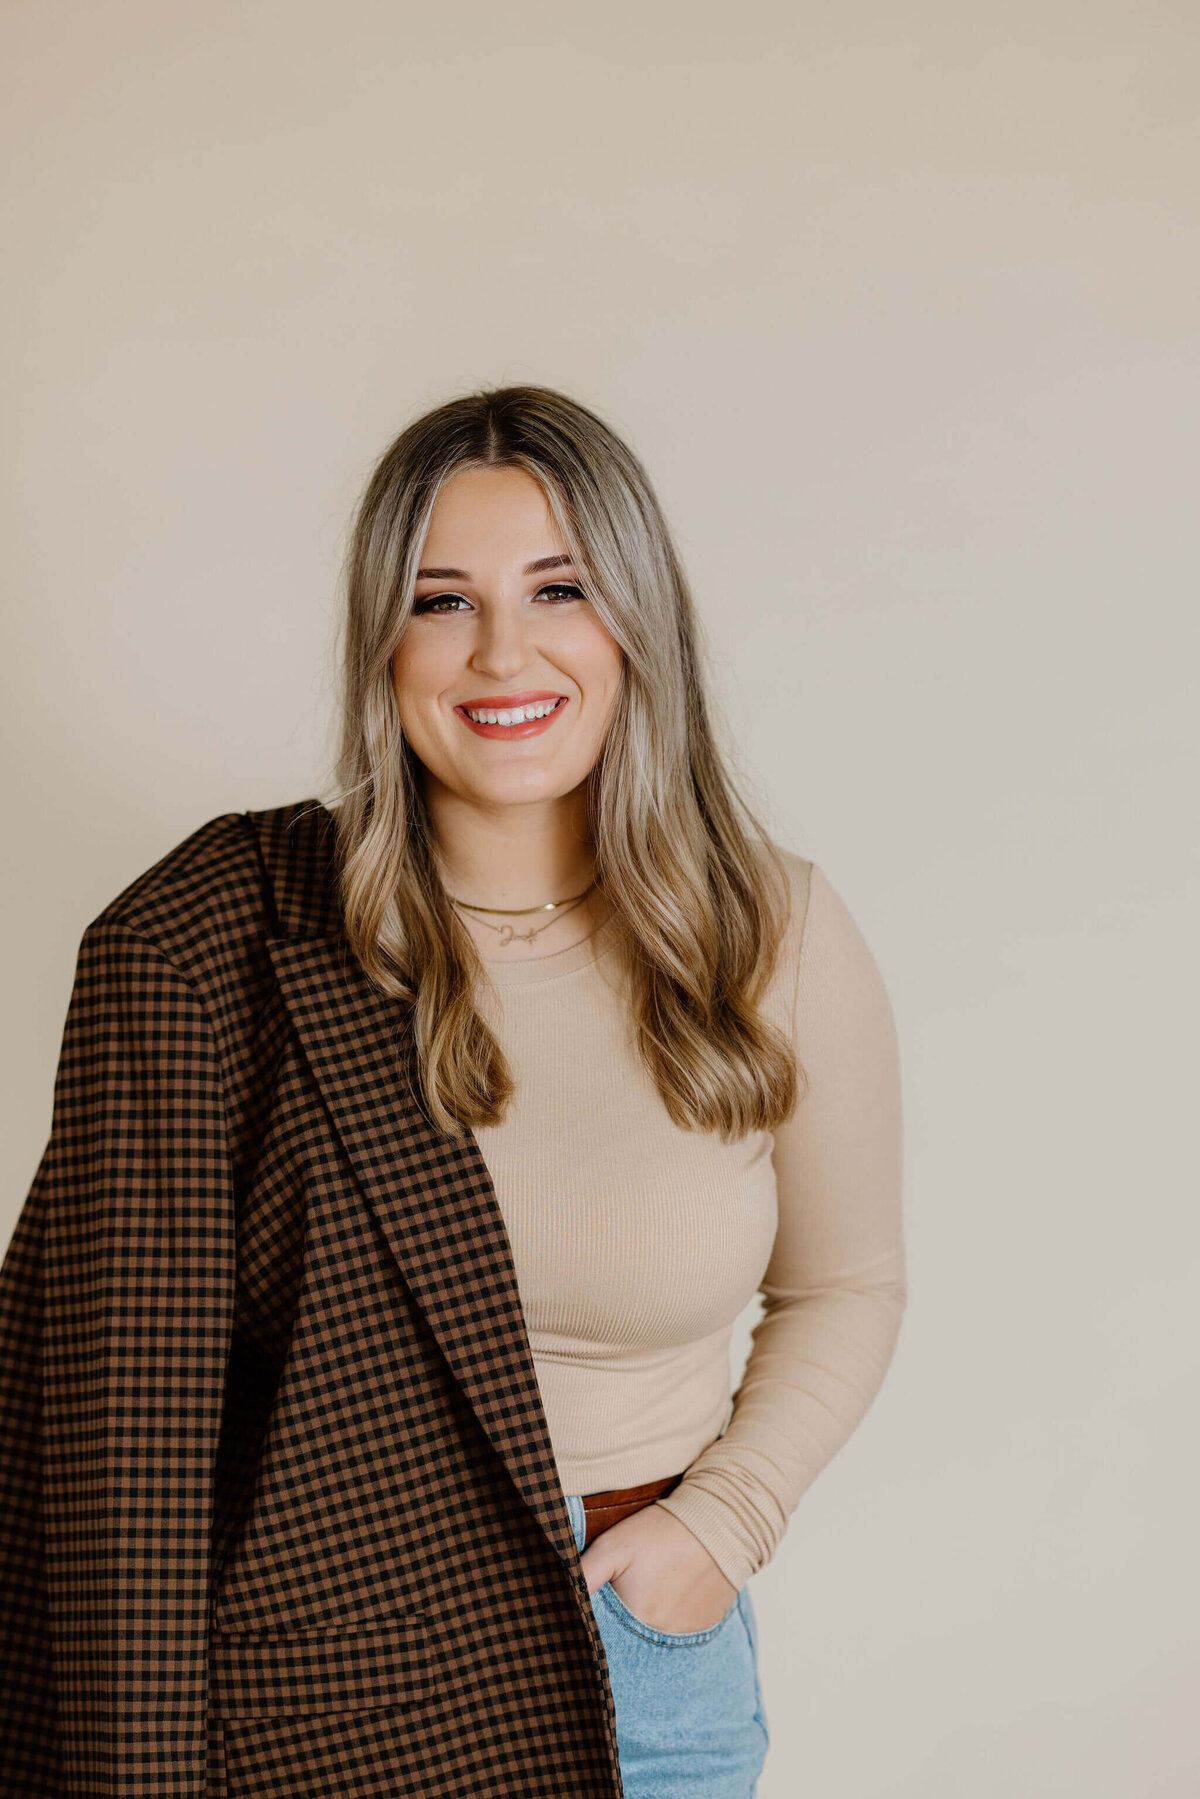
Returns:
<point x="493" y="515"/>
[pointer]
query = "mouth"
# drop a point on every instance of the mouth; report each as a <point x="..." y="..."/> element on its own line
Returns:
<point x="521" y="715"/>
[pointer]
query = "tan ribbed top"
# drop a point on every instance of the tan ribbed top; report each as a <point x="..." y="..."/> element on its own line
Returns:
<point x="638" y="1244"/>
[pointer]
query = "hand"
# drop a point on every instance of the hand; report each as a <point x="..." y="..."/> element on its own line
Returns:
<point x="667" y="1577"/>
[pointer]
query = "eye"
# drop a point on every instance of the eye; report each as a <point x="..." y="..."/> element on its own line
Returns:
<point x="438" y="600"/>
<point x="567" y="588"/>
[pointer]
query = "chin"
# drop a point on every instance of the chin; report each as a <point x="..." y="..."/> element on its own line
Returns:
<point x="524" y="792"/>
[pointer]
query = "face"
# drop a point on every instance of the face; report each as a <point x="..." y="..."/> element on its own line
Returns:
<point x="495" y="627"/>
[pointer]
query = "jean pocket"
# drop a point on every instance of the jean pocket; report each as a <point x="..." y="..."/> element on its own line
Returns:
<point x="667" y="1639"/>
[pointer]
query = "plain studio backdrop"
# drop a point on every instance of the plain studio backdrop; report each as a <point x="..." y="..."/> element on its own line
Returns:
<point x="899" y="306"/>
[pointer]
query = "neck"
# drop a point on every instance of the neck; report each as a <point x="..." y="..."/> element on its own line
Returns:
<point x="512" y="855"/>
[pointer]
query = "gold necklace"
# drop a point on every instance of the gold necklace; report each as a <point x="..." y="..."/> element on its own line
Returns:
<point x="507" y="935"/>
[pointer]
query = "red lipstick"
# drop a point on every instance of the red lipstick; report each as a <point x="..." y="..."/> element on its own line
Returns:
<point x="503" y="702"/>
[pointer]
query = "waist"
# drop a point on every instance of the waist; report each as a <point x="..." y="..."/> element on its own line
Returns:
<point x="612" y="1423"/>
<point x="601" y="1510"/>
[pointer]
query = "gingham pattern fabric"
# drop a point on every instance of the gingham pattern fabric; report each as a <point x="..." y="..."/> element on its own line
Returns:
<point x="281" y="1516"/>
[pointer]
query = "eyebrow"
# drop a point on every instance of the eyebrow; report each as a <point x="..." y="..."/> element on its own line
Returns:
<point x="460" y="574"/>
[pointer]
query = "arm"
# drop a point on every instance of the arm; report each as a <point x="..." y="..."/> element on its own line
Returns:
<point x="835" y="1287"/>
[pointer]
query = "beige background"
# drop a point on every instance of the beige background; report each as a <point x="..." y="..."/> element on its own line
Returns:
<point x="899" y="305"/>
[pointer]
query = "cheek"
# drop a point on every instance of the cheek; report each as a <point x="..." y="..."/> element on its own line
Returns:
<point x="415" y="675"/>
<point x="600" y="658"/>
<point x="400" y="684"/>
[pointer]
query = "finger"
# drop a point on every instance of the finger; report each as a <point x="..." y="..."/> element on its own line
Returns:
<point x="596" y="1571"/>
<point x="602" y="1564"/>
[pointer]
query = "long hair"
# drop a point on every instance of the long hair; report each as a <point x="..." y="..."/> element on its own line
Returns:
<point x="699" y="895"/>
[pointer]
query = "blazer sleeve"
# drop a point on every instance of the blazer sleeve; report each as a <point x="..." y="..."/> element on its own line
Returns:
<point x="116" y="1299"/>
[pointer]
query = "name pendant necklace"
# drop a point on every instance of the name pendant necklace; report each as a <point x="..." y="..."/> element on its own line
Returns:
<point x="560" y="908"/>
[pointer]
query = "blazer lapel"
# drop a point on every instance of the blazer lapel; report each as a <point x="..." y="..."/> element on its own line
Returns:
<point x="432" y="1194"/>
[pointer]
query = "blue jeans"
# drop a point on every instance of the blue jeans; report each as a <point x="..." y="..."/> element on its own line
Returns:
<point x="690" y="1720"/>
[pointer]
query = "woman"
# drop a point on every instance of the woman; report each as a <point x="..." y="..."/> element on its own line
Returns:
<point x="536" y="1010"/>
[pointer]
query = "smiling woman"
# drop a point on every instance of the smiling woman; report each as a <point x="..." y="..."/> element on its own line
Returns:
<point x="411" y="1162"/>
<point x="638" y="1082"/>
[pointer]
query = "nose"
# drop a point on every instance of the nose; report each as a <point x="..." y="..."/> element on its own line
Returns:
<point x="502" y="643"/>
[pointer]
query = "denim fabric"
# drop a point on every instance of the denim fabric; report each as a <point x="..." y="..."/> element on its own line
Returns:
<point x="690" y="1720"/>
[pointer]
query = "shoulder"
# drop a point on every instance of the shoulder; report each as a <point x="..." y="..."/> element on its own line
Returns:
<point x="212" y="861"/>
<point x="795" y="872"/>
<point x="799" y="872"/>
<point x="825" y="960"/>
<point x="214" y="889"/>
<point x="831" y="928"/>
<point x="840" y="984"/>
<point x="819" y="916"/>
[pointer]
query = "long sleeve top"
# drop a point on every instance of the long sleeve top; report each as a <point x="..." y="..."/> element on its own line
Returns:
<point x="638" y="1244"/>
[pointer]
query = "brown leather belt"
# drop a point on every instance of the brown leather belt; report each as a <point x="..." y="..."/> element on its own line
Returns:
<point x="602" y="1509"/>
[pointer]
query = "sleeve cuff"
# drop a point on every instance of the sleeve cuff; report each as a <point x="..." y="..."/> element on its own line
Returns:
<point x="710" y="1522"/>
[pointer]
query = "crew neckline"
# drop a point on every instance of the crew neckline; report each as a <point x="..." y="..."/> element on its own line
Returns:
<point x="589" y="949"/>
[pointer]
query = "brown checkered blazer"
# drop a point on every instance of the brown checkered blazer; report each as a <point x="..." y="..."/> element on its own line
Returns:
<point x="280" y="1513"/>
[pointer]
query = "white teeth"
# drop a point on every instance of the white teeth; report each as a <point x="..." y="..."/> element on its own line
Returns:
<point x="516" y="715"/>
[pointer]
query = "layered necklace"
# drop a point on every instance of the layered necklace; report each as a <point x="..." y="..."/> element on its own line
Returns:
<point x="507" y="934"/>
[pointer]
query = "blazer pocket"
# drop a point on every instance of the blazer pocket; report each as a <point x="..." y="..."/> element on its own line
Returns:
<point x="303" y="1673"/>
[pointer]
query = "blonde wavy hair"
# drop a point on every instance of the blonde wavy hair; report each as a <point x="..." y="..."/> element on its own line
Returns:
<point x="698" y="892"/>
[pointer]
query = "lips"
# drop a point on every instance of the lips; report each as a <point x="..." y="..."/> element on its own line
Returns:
<point x="532" y="727"/>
